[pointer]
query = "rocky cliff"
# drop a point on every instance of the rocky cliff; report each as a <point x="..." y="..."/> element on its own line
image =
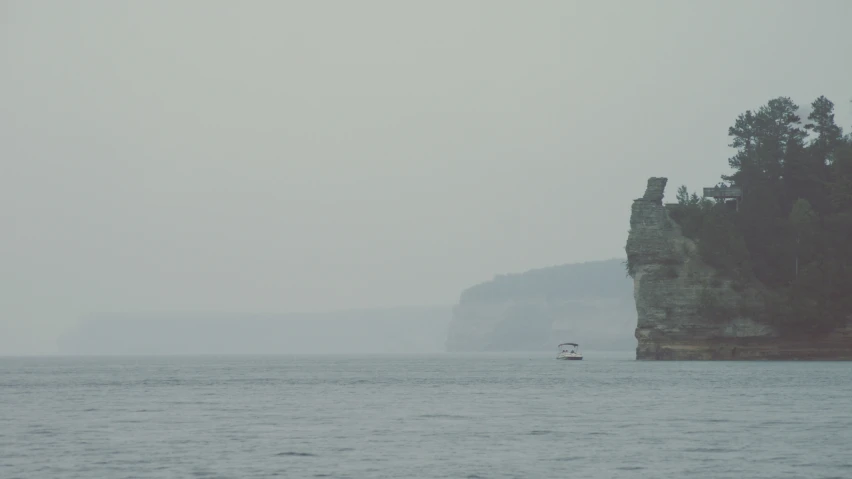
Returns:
<point x="590" y="303"/>
<point x="687" y="310"/>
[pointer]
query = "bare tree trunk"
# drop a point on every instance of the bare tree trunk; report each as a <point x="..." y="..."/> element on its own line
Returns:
<point x="798" y="240"/>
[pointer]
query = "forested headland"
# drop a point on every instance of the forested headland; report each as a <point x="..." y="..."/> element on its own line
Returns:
<point x="791" y="229"/>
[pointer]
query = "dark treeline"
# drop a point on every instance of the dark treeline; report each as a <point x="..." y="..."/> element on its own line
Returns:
<point x="793" y="230"/>
<point x="593" y="279"/>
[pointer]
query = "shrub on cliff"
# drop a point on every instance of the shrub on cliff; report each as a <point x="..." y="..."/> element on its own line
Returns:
<point x="690" y="212"/>
<point x="721" y="245"/>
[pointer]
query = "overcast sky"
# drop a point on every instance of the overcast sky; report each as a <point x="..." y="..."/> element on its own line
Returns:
<point x="315" y="155"/>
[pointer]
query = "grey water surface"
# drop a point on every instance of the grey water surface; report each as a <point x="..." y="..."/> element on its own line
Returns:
<point x="430" y="416"/>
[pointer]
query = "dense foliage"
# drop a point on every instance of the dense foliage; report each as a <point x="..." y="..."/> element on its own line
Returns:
<point x="593" y="279"/>
<point x="793" y="229"/>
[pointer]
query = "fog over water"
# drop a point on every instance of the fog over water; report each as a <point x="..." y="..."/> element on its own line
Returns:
<point x="274" y="157"/>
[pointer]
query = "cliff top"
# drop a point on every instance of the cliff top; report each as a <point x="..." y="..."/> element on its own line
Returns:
<point x="568" y="281"/>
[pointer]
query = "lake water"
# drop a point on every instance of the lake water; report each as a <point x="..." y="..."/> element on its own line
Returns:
<point x="438" y="416"/>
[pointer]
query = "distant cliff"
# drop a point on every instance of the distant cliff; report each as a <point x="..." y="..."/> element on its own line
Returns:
<point x="589" y="303"/>
<point x="391" y="330"/>
<point x="689" y="310"/>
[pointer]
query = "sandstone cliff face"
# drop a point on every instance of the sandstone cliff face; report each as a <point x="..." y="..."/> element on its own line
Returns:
<point x="540" y="324"/>
<point x="687" y="311"/>
<point x="590" y="303"/>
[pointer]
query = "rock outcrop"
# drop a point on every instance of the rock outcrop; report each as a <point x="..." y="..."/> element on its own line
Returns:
<point x="687" y="310"/>
<point x="590" y="303"/>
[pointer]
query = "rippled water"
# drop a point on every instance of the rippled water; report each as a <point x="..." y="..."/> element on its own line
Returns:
<point x="488" y="416"/>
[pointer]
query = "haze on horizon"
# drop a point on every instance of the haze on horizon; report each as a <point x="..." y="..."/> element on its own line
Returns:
<point x="309" y="156"/>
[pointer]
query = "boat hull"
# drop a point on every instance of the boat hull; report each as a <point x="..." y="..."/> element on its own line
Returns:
<point x="570" y="358"/>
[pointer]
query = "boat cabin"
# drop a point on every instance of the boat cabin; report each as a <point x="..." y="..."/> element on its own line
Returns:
<point x="574" y="353"/>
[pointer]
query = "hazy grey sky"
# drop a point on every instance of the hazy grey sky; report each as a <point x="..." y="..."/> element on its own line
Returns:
<point x="314" y="155"/>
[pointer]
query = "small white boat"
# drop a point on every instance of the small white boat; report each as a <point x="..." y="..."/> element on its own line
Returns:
<point x="574" y="353"/>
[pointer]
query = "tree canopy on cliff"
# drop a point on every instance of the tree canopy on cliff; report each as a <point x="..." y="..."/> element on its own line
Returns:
<point x="593" y="279"/>
<point x="793" y="228"/>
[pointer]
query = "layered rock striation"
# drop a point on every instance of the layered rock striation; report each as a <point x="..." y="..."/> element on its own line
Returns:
<point x="688" y="310"/>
